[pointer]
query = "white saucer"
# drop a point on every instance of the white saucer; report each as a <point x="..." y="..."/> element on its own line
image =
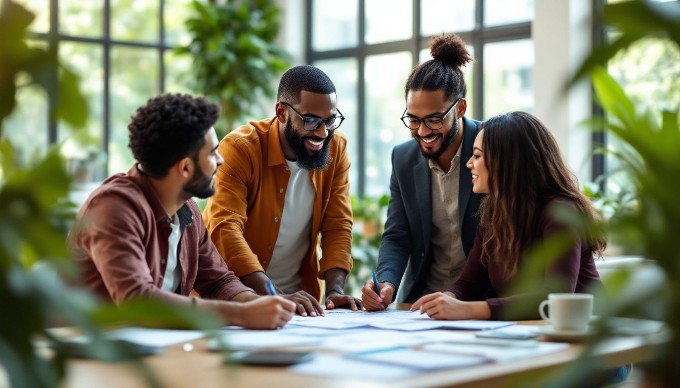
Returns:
<point x="563" y="335"/>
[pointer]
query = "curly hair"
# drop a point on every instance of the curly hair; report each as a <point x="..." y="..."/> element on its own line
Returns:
<point x="168" y="128"/>
<point x="443" y="71"/>
<point x="304" y="77"/>
<point x="511" y="211"/>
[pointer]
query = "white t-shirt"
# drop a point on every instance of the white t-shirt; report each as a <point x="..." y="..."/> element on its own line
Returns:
<point x="173" y="272"/>
<point x="294" y="232"/>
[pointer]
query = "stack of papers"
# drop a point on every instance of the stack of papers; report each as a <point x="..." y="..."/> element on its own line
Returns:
<point x="154" y="337"/>
<point x="261" y="339"/>
<point x="372" y="345"/>
<point x="390" y="320"/>
<point x="418" y="359"/>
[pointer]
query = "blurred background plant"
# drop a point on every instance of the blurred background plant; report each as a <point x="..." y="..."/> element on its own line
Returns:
<point x="652" y="226"/>
<point x="609" y="201"/>
<point x="369" y="219"/>
<point x="639" y="202"/>
<point x="645" y="219"/>
<point x="612" y="201"/>
<point x="34" y="219"/>
<point x="235" y="58"/>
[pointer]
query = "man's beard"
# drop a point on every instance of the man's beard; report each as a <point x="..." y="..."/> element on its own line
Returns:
<point x="318" y="160"/>
<point x="446" y="142"/>
<point x="200" y="185"/>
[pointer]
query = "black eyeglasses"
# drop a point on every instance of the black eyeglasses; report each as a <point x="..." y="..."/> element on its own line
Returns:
<point x="433" y="121"/>
<point x="313" y="123"/>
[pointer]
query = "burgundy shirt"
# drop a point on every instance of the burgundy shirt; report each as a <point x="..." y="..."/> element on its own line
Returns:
<point x="120" y="243"/>
<point x="574" y="271"/>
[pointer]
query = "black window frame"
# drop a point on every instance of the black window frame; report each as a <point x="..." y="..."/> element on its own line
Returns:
<point x="53" y="38"/>
<point x="478" y="37"/>
<point x="600" y="139"/>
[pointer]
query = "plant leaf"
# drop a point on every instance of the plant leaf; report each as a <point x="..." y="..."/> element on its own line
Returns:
<point x="72" y="106"/>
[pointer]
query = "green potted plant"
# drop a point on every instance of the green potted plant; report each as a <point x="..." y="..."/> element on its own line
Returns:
<point x="235" y="59"/>
<point x="34" y="219"/>
<point x="650" y="223"/>
<point x="644" y="217"/>
<point x="368" y="214"/>
<point x="611" y="202"/>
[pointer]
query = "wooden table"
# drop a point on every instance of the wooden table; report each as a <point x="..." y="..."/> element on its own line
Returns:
<point x="180" y="367"/>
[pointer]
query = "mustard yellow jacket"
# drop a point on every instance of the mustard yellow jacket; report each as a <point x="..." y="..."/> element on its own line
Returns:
<point x="244" y="215"/>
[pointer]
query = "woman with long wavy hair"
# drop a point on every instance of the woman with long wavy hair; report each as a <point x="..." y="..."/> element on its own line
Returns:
<point x="516" y="162"/>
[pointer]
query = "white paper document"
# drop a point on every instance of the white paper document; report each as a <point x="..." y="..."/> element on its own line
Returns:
<point x="389" y="320"/>
<point x="154" y="337"/>
<point x="262" y="339"/>
<point x="341" y="367"/>
<point x="430" y="324"/>
<point x="418" y="359"/>
<point x="369" y="339"/>
<point x="496" y="352"/>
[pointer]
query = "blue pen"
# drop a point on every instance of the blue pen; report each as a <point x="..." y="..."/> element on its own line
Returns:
<point x="270" y="287"/>
<point x="375" y="283"/>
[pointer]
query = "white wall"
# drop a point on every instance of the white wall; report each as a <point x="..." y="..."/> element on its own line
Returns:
<point x="292" y="33"/>
<point x="291" y="38"/>
<point x="562" y="38"/>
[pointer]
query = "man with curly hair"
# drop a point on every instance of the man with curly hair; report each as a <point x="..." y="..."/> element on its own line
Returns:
<point x="284" y="184"/>
<point x="140" y="234"/>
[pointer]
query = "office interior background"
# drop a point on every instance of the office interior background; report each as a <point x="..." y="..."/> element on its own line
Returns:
<point x="524" y="52"/>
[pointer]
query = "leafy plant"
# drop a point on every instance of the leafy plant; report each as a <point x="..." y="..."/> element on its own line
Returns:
<point x="653" y="226"/>
<point x="643" y="217"/>
<point x="651" y="160"/>
<point x="34" y="219"/>
<point x="235" y="58"/>
<point x="23" y="66"/>
<point x="609" y="201"/>
<point x="368" y="214"/>
<point x="613" y="202"/>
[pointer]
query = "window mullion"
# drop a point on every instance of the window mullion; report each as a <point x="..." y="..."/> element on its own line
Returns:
<point x="106" y="98"/>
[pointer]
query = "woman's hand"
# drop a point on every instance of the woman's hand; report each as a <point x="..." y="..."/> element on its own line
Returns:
<point x="445" y="306"/>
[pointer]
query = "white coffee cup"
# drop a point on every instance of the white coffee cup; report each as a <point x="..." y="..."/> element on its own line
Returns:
<point x="568" y="312"/>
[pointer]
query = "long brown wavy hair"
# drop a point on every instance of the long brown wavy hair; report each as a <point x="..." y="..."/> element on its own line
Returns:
<point x="526" y="172"/>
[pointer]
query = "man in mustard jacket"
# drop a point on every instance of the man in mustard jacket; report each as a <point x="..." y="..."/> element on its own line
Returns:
<point x="284" y="182"/>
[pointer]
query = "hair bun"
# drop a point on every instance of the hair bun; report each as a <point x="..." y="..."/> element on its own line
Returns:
<point x="450" y="49"/>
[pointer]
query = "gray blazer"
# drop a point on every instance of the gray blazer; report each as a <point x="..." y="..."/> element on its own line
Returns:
<point x="405" y="246"/>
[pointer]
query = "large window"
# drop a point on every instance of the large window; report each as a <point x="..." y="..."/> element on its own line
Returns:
<point x="122" y="52"/>
<point x="368" y="48"/>
<point x="647" y="71"/>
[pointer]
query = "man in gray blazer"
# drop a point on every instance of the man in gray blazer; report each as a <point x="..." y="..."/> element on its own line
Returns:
<point x="432" y="214"/>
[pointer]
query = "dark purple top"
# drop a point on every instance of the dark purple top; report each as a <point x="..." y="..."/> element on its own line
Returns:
<point x="572" y="272"/>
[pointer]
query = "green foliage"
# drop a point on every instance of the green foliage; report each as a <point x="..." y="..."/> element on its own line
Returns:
<point x="29" y="230"/>
<point x="648" y="225"/>
<point x="31" y="226"/>
<point x="653" y="163"/>
<point x="611" y="201"/>
<point x="614" y="202"/>
<point x="235" y="59"/>
<point x="38" y="66"/>
<point x="368" y="214"/>
<point x="635" y="20"/>
<point x="650" y="158"/>
<point x="34" y="219"/>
